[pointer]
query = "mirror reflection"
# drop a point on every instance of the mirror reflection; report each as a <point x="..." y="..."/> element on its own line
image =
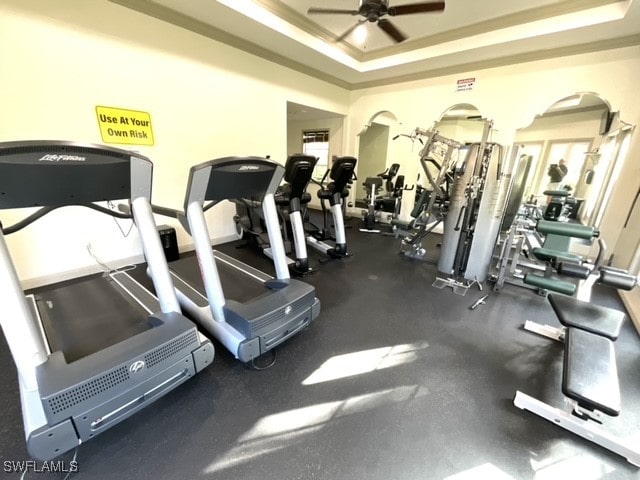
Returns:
<point x="458" y="165"/>
<point x="381" y="173"/>
<point x="569" y="160"/>
<point x="315" y="132"/>
<point x="374" y="155"/>
<point x="462" y="123"/>
<point x="573" y="148"/>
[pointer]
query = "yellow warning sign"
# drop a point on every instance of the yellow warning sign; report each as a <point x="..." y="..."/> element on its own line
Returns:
<point x="130" y="127"/>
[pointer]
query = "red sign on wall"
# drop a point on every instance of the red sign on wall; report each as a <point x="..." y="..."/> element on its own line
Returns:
<point x="465" y="84"/>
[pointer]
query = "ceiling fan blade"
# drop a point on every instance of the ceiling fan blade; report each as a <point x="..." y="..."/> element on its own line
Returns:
<point x="390" y="29"/>
<point x="423" y="7"/>
<point x="312" y="11"/>
<point x="349" y="30"/>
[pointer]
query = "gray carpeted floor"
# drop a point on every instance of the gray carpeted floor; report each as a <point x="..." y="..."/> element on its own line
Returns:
<point x="394" y="380"/>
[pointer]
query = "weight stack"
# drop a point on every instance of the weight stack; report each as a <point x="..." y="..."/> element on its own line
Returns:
<point x="169" y="242"/>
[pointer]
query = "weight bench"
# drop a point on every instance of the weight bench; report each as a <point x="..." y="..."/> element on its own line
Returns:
<point x="577" y="313"/>
<point x="595" y="319"/>
<point x="589" y="376"/>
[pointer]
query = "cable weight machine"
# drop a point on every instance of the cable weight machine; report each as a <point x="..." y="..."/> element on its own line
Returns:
<point x="438" y="159"/>
<point x="476" y="202"/>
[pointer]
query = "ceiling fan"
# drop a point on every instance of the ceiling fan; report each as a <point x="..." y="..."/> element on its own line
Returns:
<point x="375" y="10"/>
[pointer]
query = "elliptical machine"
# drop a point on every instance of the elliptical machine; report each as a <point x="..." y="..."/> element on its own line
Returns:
<point x="289" y="198"/>
<point x="342" y="173"/>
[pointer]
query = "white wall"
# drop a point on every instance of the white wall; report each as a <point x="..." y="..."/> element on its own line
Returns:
<point x="511" y="96"/>
<point x="207" y="100"/>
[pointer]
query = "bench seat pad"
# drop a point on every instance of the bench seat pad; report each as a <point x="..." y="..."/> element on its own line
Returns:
<point x="590" y="374"/>
<point x="575" y="313"/>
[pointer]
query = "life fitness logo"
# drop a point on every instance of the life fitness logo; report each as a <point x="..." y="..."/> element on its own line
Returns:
<point x="136" y="367"/>
<point x="50" y="157"/>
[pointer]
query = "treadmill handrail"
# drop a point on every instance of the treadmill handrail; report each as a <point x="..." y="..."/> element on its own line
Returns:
<point x="166" y="211"/>
<point x="41" y="212"/>
<point x="43" y="163"/>
<point x="154" y="254"/>
<point x="20" y="329"/>
<point x="230" y="178"/>
<point x="206" y="260"/>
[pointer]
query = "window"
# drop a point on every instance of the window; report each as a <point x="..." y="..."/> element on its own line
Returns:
<point x="316" y="143"/>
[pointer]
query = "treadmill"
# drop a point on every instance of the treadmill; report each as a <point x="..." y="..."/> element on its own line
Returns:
<point x="90" y="353"/>
<point x="248" y="311"/>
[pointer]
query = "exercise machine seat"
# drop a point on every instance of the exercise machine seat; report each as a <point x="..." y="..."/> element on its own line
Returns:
<point x="547" y="254"/>
<point x="556" y="193"/>
<point x="402" y="224"/>
<point x="386" y="204"/>
<point x="590" y="374"/>
<point x="375" y="181"/>
<point x="572" y="312"/>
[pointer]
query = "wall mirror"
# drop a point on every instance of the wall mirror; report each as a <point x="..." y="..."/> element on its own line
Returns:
<point x="376" y="152"/>
<point x="583" y="132"/>
<point x="316" y="132"/>
<point x="463" y="123"/>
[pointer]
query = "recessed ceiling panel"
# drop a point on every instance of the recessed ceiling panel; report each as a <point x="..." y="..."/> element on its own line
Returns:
<point x="467" y="35"/>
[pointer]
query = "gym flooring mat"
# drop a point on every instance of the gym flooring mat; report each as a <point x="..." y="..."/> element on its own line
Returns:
<point x="394" y="380"/>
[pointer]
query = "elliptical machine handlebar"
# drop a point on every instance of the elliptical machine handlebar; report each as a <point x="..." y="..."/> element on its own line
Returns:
<point x="321" y="182"/>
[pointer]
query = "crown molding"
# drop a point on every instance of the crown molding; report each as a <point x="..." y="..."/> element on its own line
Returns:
<point x="608" y="44"/>
<point x="169" y="15"/>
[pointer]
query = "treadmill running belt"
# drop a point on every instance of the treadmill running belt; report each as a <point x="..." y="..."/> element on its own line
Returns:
<point x="82" y="318"/>
<point x="235" y="285"/>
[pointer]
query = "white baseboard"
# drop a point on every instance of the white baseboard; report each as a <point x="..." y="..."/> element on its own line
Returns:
<point x="37" y="282"/>
<point x="41" y="281"/>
